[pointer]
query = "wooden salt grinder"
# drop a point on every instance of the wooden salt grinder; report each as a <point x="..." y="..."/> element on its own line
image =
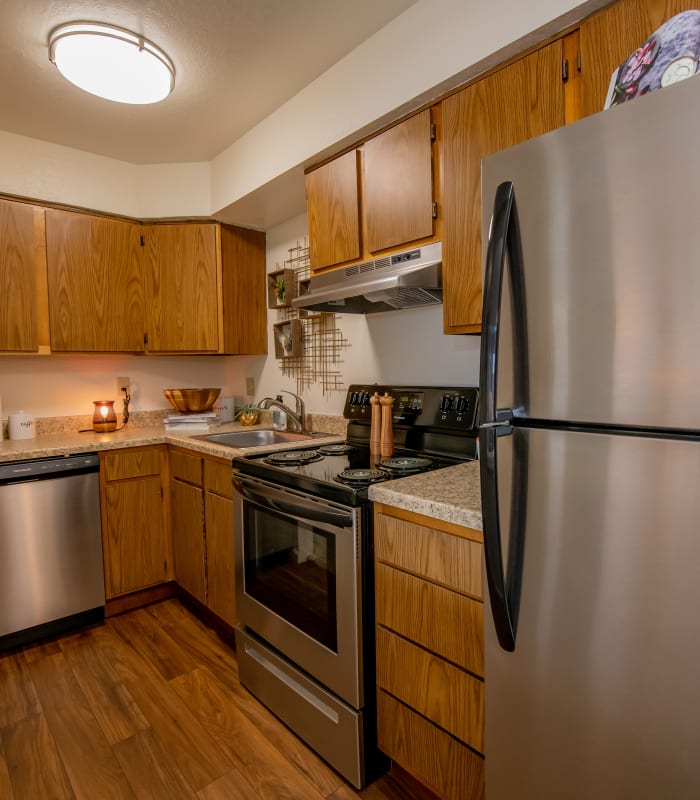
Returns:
<point x="387" y="438"/>
<point x="375" y="431"/>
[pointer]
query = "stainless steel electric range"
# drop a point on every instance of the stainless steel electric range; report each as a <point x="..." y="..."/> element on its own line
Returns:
<point x="304" y="566"/>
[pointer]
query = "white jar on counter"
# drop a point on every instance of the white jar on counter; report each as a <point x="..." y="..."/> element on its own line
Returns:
<point x="21" y="426"/>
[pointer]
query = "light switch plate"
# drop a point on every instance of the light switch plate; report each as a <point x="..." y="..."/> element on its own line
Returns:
<point x="250" y="386"/>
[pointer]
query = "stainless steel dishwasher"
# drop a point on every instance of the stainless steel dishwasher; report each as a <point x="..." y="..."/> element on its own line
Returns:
<point x="51" y="571"/>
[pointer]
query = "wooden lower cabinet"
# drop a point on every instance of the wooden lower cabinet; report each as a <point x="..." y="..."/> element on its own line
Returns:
<point x="218" y="525"/>
<point x="136" y="541"/>
<point x="202" y="526"/>
<point x="430" y="650"/>
<point x="438" y="760"/>
<point x="188" y="537"/>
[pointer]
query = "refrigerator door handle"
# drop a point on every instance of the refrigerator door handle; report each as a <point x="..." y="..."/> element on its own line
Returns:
<point x="504" y="241"/>
<point x="504" y="248"/>
<point x="493" y="553"/>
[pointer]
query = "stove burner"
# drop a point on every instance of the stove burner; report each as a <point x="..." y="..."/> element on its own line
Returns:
<point x="361" y="476"/>
<point x="336" y="449"/>
<point x="293" y="457"/>
<point x="404" y="464"/>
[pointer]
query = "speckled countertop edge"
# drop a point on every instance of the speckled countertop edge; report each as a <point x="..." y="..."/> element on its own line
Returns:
<point x="452" y="494"/>
<point x="68" y="443"/>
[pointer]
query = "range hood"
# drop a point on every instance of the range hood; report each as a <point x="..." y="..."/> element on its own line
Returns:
<point x="403" y="280"/>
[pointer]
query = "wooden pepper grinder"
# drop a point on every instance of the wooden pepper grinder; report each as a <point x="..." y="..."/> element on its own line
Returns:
<point x="375" y="431"/>
<point x="387" y="438"/>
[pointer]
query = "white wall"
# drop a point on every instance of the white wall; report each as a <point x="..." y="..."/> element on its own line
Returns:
<point x="66" y="385"/>
<point x="405" y="346"/>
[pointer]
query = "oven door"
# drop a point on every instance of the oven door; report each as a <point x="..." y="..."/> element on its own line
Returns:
<point x="298" y="579"/>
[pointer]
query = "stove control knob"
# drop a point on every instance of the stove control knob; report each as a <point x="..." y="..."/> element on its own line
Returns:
<point x="446" y="403"/>
<point x="462" y="404"/>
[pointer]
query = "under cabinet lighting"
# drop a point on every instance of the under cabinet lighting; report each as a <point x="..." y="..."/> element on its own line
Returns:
<point x="111" y="62"/>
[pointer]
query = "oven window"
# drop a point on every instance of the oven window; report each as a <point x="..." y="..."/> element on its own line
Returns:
<point x="290" y="569"/>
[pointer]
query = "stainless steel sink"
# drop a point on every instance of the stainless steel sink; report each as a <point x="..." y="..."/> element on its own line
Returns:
<point x="256" y="438"/>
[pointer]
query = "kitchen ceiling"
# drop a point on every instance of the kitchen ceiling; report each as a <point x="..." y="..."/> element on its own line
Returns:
<point x="236" y="61"/>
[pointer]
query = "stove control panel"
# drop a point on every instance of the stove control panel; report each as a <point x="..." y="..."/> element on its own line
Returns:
<point x="452" y="408"/>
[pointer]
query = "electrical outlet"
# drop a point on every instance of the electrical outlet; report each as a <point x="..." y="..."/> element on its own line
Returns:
<point x="121" y="384"/>
<point x="250" y="386"/>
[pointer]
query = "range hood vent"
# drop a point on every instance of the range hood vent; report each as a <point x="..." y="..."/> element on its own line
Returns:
<point x="403" y="280"/>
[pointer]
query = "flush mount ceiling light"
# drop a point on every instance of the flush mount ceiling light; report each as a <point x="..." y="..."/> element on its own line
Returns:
<point x="111" y="62"/>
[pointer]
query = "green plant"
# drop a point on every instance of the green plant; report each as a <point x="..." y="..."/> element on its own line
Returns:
<point x="248" y="408"/>
<point x="280" y="289"/>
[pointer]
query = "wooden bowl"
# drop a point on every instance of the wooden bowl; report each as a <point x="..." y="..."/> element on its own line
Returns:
<point x="192" y="401"/>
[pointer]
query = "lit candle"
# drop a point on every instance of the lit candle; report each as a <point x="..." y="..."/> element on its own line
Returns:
<point x="104" y="418"/>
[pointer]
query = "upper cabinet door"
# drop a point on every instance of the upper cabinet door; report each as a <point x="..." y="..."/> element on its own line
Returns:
<point x="22" y="275"/>
<point x="96" y="299"/>
<point x="376" y="199"/>
<point x="244" y="283"/>
<point x="183" y="278"/>
<point x="333" y="210"/>
<point x="398" y="184"/>
<point x="520" y="101"/>
<point x="609" y="37"/>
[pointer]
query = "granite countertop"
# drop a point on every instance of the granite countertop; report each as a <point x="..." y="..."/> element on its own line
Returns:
<point x="451" y="494"/>
<point x="67" y="442"/>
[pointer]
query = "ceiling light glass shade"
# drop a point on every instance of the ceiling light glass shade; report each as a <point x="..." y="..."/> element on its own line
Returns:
<point x="111" y="62"/>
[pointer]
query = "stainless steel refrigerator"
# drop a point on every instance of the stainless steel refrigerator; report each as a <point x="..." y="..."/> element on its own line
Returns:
<point x="590" y="457"/>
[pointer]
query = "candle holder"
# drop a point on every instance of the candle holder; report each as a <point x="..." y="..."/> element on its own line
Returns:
<point x="104" y="417"/>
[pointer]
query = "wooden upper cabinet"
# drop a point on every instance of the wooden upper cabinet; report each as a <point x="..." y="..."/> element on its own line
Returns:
<point x="610" y="36"/>
<point x="333" y="210"/>
<point x="377" y="198"/>
<point x="398" y="184"/>
<point x="206" y="289"/>
<point x="95" y="287"/>
<point x="24" y="315"/>
<point x="522" y="100"/>
<point x="183" y="280"/>
<point x="244" y="283"/>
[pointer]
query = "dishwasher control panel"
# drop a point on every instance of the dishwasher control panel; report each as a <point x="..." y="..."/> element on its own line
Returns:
<point x="44" y="467"/>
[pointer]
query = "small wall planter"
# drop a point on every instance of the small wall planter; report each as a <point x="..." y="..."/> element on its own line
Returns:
<point x="281" y="288"/>
<point x="288" y="339"/>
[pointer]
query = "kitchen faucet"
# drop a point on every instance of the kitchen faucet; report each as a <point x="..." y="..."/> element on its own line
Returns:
<point x="298" y="417"/>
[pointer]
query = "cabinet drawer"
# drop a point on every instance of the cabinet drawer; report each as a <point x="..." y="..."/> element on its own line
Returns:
<point x="441" y="557"/>
<point x="438" y="760"/>
<point x="444" y="622"/>
<point x="186" y="467"/>
<point x="132" y="463"/>
<point x="218" y="477"/>
<point x="451" y="698"/>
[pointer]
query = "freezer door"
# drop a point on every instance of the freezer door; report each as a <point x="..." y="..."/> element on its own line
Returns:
<point x="608" y="219"/>
<point x="600" y="697"/>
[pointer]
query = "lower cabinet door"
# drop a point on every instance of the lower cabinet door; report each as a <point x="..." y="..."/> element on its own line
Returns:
<point x="135" y="536"/>
<point x="188" y="537"/>
<point x="221" y="597"/>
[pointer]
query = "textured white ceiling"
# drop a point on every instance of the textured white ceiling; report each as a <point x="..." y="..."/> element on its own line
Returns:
<point x="236" y="61"/>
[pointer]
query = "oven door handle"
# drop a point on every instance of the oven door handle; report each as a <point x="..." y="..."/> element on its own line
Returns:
<point x="269" y="498"/>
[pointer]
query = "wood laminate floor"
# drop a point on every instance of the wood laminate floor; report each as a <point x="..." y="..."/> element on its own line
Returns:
<point x="149" y="705"/>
